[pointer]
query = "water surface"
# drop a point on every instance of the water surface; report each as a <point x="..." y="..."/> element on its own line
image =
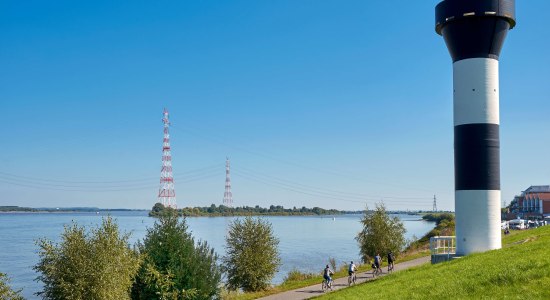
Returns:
<point x="306" y="242"/>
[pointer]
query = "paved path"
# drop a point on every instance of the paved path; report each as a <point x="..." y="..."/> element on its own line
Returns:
<point x="340" y="283"/>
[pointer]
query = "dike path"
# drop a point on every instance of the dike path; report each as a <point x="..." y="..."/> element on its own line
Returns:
<point x="341" y="283"/>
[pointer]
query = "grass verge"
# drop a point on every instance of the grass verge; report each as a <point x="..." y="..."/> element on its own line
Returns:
<point x="312" y="279"/>
<point x="521" y="270"/>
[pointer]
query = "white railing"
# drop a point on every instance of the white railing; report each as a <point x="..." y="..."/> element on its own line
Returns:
<point x="442" y="248"/>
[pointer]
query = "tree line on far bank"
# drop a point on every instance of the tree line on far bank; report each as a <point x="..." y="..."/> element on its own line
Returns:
<point x="170" y="264"/>
<point x="222" y="210"/>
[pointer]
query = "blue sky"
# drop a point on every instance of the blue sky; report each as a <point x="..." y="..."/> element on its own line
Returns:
<point x="317" y="103"/>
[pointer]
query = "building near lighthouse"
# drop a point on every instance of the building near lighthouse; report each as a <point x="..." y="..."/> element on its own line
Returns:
<point x="474" y="32"/>
<point x="533" y="203"/>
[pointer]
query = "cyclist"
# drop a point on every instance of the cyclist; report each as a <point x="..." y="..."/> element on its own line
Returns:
<point x="351" y="272"/>
<point x="326" y="274"/>
<point x="391" y="258"/>
<point x="378" y="262"/>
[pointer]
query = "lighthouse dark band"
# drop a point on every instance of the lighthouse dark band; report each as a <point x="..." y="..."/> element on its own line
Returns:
<point x="477" y="158"/>
<point x="448" y="11"/>
<point x="475" y="28"/>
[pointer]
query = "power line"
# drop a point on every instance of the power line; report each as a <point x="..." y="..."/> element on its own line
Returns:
<point x="115" y="183"/>
<point x="316" y="193"/>
<point x="73" y="188"/>
<point x="189" y="129"/>
<point x="328" y="191"/>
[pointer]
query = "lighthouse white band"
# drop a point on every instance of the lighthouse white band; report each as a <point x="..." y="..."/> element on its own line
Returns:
<point x="477" y="221"/>
<point x="476" y="92"/>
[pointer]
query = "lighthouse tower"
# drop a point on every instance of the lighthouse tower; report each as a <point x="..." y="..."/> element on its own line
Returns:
<point x="474" y="31"/>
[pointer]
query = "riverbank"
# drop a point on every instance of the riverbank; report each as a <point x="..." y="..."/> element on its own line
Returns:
<point x="302" y="286"/>
<point x="416" y="250"/>
<point x="519" y="270"/>
<point x="342" y="282"/>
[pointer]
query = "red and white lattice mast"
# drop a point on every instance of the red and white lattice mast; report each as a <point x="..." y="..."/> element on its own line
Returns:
<point x="227" y="195"/>
<point x="167" y="193"/>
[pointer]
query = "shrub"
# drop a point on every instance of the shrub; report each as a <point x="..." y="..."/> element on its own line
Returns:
<point x="174" y="267"/>
<point x="380" y="234"/>
<point x="87" y="265"/>
<point x="252" y="256"/>
<point x="332" y="262"/>
<point x="159" y="209"/>
<point x="296" y="275"/>
<point x="7" y="293"/>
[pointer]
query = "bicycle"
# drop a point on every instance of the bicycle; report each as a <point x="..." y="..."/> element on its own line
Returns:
<point x="326" y="284"/>
<point x="376" y="270"/>
<point x="390" y="267"/>
<point x="352" y="278"/>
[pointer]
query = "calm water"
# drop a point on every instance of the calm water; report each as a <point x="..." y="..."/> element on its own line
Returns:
<point x="306" y="242"/>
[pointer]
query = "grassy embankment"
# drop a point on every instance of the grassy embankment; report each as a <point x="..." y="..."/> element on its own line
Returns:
<point x="296" y="279"/>
<point x="521" y="270"/>
<point x="445" y="226"/>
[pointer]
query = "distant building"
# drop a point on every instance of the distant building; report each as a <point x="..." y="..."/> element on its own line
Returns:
<point x="534" y="202"/>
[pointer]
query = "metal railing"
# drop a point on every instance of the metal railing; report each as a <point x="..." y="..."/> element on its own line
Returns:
<point x="442" y="248"/>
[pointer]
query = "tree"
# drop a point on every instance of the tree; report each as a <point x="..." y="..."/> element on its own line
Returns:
<point x="252" y="257"/>
<point x="381" y="233"/>
<point x="173" y="266"/>
<point x="159" y="209"/>
<point x="6" y="293"/>
<point x="87" y="265"/>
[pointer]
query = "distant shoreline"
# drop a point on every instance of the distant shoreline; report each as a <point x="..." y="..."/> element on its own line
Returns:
<point x="65" y="211"/>
<point x="243" y="211"/>
<point x="18" y="209"/>
<point x="101" y="211"/>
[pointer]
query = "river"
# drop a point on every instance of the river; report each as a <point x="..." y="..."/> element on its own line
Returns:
<point x="306" y="242"/>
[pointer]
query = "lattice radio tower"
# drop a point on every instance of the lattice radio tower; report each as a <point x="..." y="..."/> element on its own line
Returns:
<point x="435" y="204"/>
<point x="167" y="193"/>
<point x="227" y="195"/>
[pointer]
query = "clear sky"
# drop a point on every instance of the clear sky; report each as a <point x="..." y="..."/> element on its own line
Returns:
<point x="317" y="103"/>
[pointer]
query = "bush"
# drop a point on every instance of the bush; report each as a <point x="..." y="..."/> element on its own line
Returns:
<point x="252" y="256"/>
<point x="445" y="226"/>
<point x="332" y="262"/>
<point x="380" y="234"/>
<point x="6" y="293"/>
<point x="159" y="209"/>
<point x="439" y="217"/>
<point x="87" y="265"/>
<point x="296" y="275"/>
<point x="173" y="266"/>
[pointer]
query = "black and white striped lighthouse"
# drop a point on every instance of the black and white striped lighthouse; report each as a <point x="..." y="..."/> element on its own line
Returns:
<point x="474" y="31"/>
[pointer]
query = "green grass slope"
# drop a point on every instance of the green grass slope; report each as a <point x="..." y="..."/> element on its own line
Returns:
<point x="521" y="270"/>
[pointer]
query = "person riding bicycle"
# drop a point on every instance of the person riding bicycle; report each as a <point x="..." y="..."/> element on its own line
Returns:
<point x="351" y="272"/>
<point x="352" y="268"/>
<point x="391" y="258"/>
<point x="378" y="261"/>
<point x="326" y="274"/>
